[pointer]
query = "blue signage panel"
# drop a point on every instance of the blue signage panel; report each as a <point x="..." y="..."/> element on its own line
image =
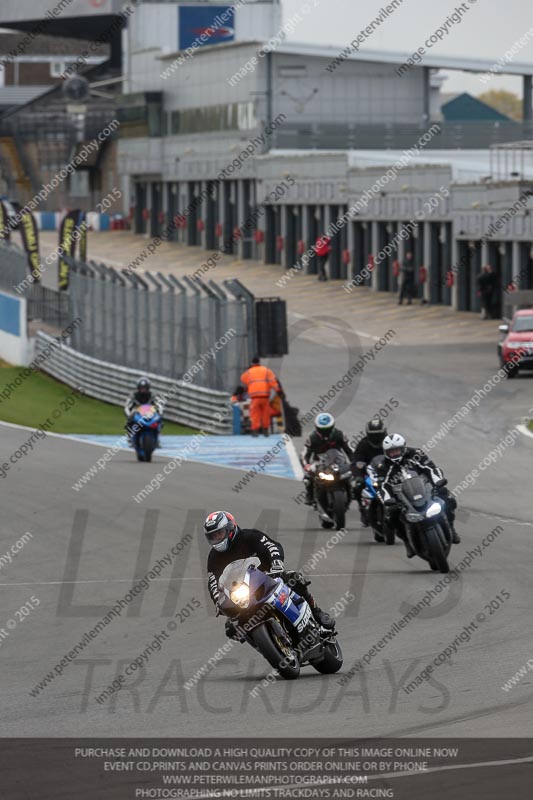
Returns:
<point x="205" y="25"/>
<point x="9" y="314"/>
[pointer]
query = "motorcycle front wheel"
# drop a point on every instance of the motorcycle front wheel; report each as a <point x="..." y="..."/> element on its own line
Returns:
<point x="339" y="509"/>
<point x="390" y="536"/>
<point x="436" y="553"/>
<point x="332" y="660"/>
<point x="285" y="663"/>
<point x="138" y="449"/>
<point x="147" y="445"/>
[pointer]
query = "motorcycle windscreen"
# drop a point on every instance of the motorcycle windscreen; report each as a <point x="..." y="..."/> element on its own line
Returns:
<point x="416" y="491"/>
<point x="235" y="572"/>
<point x="334" y="458"/>
<point x="147" y="411"/>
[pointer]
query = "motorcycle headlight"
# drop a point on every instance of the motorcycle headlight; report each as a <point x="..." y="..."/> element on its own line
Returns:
<point x="433" y="510"/>
<point x="326" y="476"/>
<point x="241" y="595"/>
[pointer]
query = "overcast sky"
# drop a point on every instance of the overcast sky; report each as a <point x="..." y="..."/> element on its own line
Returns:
<point x="487" y="30"/>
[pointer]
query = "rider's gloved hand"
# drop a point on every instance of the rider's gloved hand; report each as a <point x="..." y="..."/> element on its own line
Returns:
<point x="293" y="578"/>
<point x="444" y="493"/>
<point x="277" y="568"/>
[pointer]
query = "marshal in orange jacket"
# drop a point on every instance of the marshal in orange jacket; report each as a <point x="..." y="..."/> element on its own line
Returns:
<point x="259" y="381"/>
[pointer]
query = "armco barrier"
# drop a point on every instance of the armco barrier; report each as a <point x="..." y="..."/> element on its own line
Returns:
<point x="188" y="405"/>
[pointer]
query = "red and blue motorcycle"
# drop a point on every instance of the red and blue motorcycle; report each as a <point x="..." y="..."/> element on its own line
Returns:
<point x="147" y="424"/>
<point x="276" y="621"/>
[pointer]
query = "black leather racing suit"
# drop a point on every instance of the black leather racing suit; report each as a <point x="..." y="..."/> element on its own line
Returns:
<point x="415" y="459"/>
<point x="138" y="399"/>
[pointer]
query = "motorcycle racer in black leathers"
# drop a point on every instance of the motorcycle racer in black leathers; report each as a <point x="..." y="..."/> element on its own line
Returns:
<point x="398" y="455"/>
<point x="325" y="437"/>
<point x="141" y="396"/>
<point x="230" y="543"/>
<point x="370" y="446"/>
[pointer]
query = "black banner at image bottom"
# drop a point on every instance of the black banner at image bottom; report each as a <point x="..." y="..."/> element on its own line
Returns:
<point x="194" y="769"/>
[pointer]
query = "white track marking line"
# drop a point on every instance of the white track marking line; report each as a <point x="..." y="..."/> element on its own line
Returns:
<point x="322" y="324"/>
<point x="524" y="430"/>
<point x="502" y="519"/>
<point x="63" y="436"/>
<point x="448" y="767"/>
<point x="72" y="438"/>
<point x="166" y="580"/>
<point x="103" y="580"/>
<point x="393" y="775"/>
<point x="295" y="461"/>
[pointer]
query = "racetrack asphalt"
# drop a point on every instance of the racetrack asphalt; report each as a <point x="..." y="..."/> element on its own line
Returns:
<point x="88" y="545"/>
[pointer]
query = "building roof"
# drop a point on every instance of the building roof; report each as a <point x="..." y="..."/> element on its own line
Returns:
<point x="379" y="56"/>
<point x="429" y="60"/>
<point x="467" y="108"/>
<point x="466" y="166"/>
<point x="12" y="96"/>
<point x="44" y="45"/>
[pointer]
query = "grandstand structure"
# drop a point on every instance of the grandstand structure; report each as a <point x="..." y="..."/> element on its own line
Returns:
<point x="359" y="148"/>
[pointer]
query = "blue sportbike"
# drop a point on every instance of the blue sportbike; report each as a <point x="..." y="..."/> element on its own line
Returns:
<point x="147" y="424"/>
<point x="371" y="505"/>
<point x="276" y="621"/>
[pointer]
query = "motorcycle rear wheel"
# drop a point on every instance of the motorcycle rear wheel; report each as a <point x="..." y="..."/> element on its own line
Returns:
<point x="264" y="640"/>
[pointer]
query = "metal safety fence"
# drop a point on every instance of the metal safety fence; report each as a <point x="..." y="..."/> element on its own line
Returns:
<point x="206" y="409"/>
<point x="191" y="330"/>
<point x="44" y="304"/>
<point x="13" y="268"/>
<point x="179" y="328"/>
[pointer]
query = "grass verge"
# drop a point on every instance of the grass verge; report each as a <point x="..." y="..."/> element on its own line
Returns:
<point x="39" y="395"/>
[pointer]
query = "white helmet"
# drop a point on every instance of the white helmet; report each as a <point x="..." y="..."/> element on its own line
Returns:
<point x="324" y="423"/>
<point x="394" y="447"/>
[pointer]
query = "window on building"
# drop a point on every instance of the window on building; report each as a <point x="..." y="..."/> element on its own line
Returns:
<point x="57" y="68"/>
<point x="227" y="117"/>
